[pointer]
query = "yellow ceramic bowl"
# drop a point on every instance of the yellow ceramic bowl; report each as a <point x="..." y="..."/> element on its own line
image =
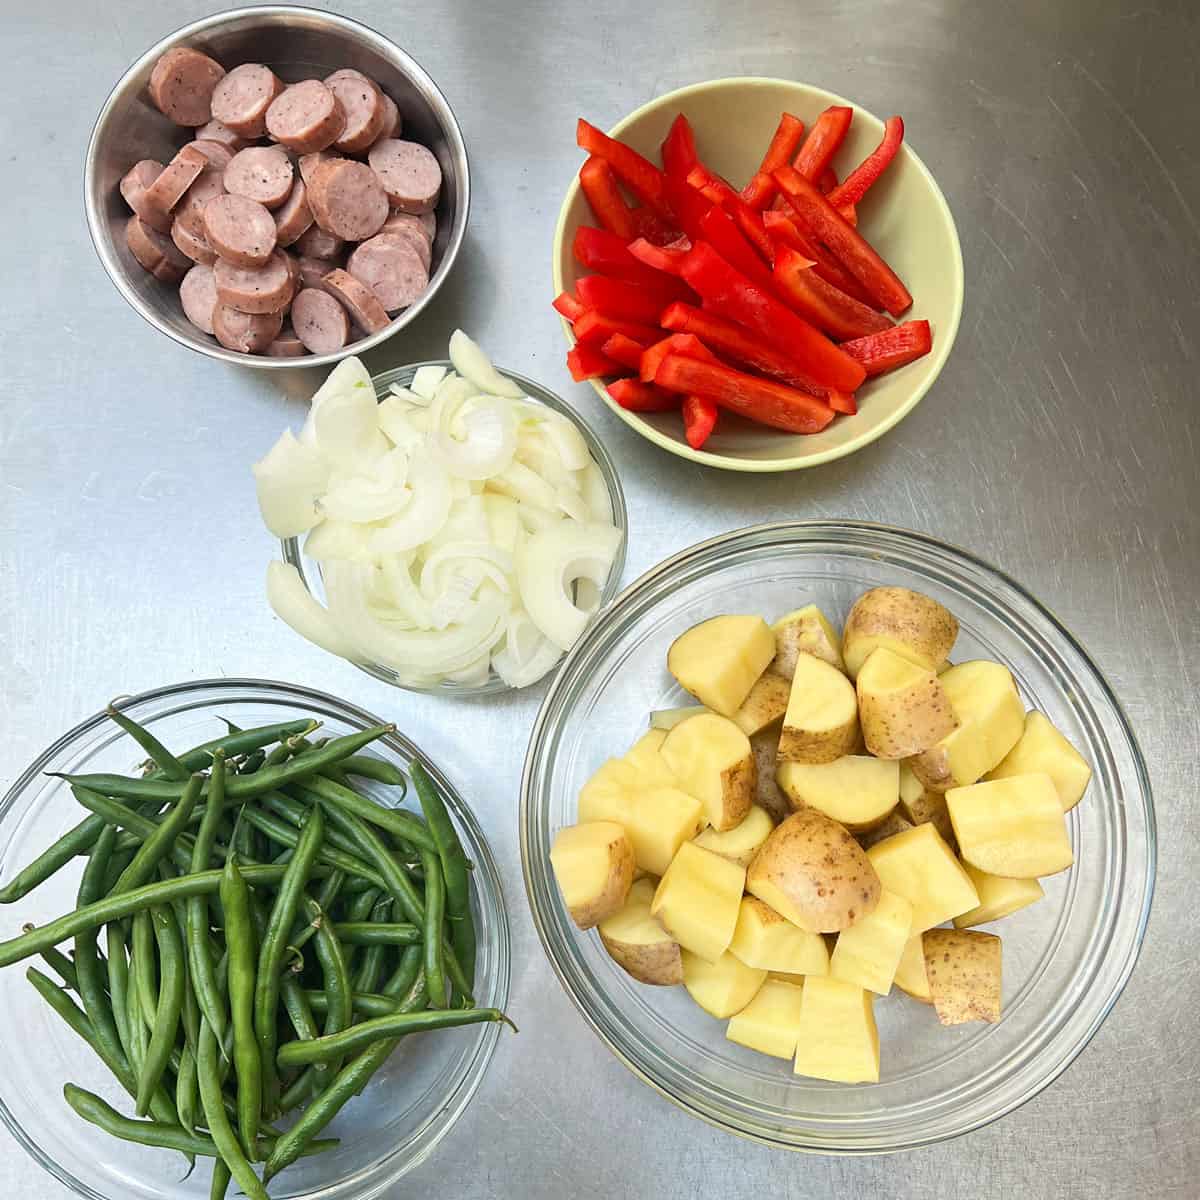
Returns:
<point x="905" y="216"/>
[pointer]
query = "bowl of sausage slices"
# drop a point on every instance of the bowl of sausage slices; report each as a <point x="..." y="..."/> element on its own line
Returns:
<point x="277" y="184"/>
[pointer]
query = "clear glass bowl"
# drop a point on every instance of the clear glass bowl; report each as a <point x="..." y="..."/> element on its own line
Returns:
<point x="310" y="569"/>
<point x="1066" y="958"/>
<point x="408" y="1107"/>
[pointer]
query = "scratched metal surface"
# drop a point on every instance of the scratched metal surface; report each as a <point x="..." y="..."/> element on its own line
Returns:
<point x="1060" y="443"/>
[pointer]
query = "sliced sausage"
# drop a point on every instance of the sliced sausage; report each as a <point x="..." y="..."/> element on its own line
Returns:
<point x="313" y="270"/>
<point x="214" y="131"/>
<point x="239" y="230"/>
<point x="294" y="217"/>
<point x="135" y="184"/>
<point x="310" y="162"/>
<point x="189" y="237"/>
<point x="363" y="105"/>
<point x="408" y="225"/>
<point x="286" y="345"/>
<point x="393" y="123"/>
<point x="251" y="333"/>
<point x="306" y="117"/>
<point x="240" y="101"/>
<point x="262" y="173"/>
<point x="347" y="198"/>
<point x="182" y="85"/>
<point x="409" y="173"/>
<point x="198" y="294"/>
<point x="265" y="289"/>
<point x="217" y="153"/>
<point x="357" y="299"/>
<point x="320" y="321"/>
<point x="391" y="267"/>
<point x="428" y="224"/>
<point x="316" y="242"/>
<point x="155" y="251"/>
<point x="209" y="183"/>
<point x="175" y="179"/>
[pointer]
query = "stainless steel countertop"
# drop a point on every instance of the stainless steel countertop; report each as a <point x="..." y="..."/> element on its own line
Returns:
<point x="1060" y="443"/>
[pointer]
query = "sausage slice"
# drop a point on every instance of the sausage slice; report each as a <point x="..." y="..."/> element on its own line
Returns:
<point x="240" y="101"/>
<point x="407" y="225"/>
<point x="155" y="251"/>
<point x="214" y="131"/>
<point x="363" y="105"/>
<point x="262" y="173"/>
<point x="320" y="321"/>
<point x="198" y="295"/>
<point x="137" y="181"/>
<point x="286" y="345"/>
<point x="357" y="299"/>
<point x="347" y="199"/>
<point x="306" y="117"/>
<point x="251" y="333"/>
<point x="188" y="235"/>
<point x="313" y="270"/>
<point x="182" y="84"/>
<point x="409" y="173"/>
<point x="310" y="162"/>
<point x="175" y="179"/>
<point x="315" y="242"/>
<point x="393" y="123"/>
<point x="294" y="217"/>
<point x="239" y="230"/>
<point x="208" y="183"/>
<point x="218" y="154"/>
<point x="265" y="289"/>
<point x="391" y="267"/>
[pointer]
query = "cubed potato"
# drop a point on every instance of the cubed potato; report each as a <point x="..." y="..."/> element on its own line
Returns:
<point x="637" y="943"/>
<point x="719" y="660"/>
<point x="805" y="631"/>
<point x="741" y="843"/>
<point x="895" y="822"/>
<point x="990" y="720"/>
<point x="659" y="820"/>
<point x="919" y="866"/>
<point x="765" y="706"/>
<point x="763" y="938"/>
<point x="1014" y="826"/>
<point x="697" y="901"/>
<point x="868" y="953"/>
<point x="910" y="971"/>
<point x="857" y="791"/>
<point x="593" y="864"/>
<point x="712" y="759"/>
<point x="770" y="1023"/>
<point x="963" y="967"/>
<point x="821" y="722"/>
<point x="837" y="1039"/>
<point x="999" y="896"/>
<point x="1042" y="748"/>
<point x="930" y="808"/>
<point x="721" y="988"/>
<point x="606" y="796"/>
<point x="911" y="788"/>
<point x="646" y="759"/>
<point x="912" y="625"/>
<point x="767" y="793"/>
<point x="902" y="708"/>
<point x="667" y="718"/>
<point x="811" y="871"/>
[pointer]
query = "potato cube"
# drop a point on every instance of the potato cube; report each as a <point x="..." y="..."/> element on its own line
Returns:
<point x="765" y="706"/>
<point x="910" y="972"/>
<point x="869" y="953"/>
<point x="908" y="623"/>
<point x="638" y="943"/>
<point x="605" y="796"/>
<point x="929" y="807"/>
<point x="659" y="820"/>
<point x="719" y="660"/>
<point x="763" y="938"/>
<point x="697" y="901"/>
<point x="740" y="843"/>
<point x="593" y="864"/>
<point x="767" y="793"/>
<point x="964" y="975"/>
<point x="821" y="722"/>
<point x="903" y="708"/>
<point x="667" y="718"/>
<point x="895" y="822"/>
<point x="723" y="987"/>
<point x="770" y="1023"/>
<point x="911" y="788"/>
<point x="1013" y="826"/>
<point x="919" y="866"/>
<point x="837" y="1039"/>
<point x="1043" y="748"/>
<point x="646" y="759"/>
<point x="856" y="790"/>
<point x="805" y="631"/>
<point x="999" y="896"/>
<point x="712" y="760"/>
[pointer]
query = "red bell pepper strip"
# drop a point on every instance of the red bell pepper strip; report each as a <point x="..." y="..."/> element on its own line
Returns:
<point x="640" y="302"/>
<point x="636" y="172"/>
<point x="679" y="148"/>
<point x="734" y="296"/>
<point x="642" y="397"/>
<point x="849" y="214"/>
<point x="783" y="229"/>
<point x="699" y="420"/>
<point x="761" y="400"/>
<point x="831" y="311"/>
<point x="828" y="181"/>
<point x="822" y="142"/>
<point x="746" y="218"/>
<point x="666" y="260"/>
<point x="604" y="197"/>
<point x="624" y="350"/>
<point x="605" y="253"/>
<point x="760" y="191"/>
<point x="568" y="306"/>
<point x="894" y="347"/>
<point x="650" y="226"/>
<point x="725" y="238"/>
<point x="820" y="220"/>
<point x="856" y="185"/>
<point x="594" y="329"/>
<point x="586" y="362"/>
<point x="676" y="343"/>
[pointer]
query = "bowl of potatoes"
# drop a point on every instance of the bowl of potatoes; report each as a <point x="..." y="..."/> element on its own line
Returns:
<point x="837" y="837"/>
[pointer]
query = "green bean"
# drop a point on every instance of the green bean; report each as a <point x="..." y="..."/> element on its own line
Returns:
<point x="381" y="771"/>
<point x="357" y="910"/>
<point x="139" y="1037"/>
<point x="295" y="811"/>
<point x="219" y="1128"/>
<point x="395" y="821"/>
<point x="161" y="841"/>
<point x="142" y="827"/>
<point x="435" y="909"/>
<point x="239" y="940"/>
<point x="61" y="965"/>
<point x="369" y="968"/>
<point x="367" y="1004"/>
<point x="76" y="841"/>
<point x="142" y="966"/>
<point x="304" y="930"/>
<point x="338" y="1009"/>
<point x="187" y="1090"/>
<point x="454" y="871"/>
<point x="200" y="960"/>
<point x="367" y="933"/>
<point x="221" y="1178"/>
<point x="295" y="1001"/>
<point x="280" y="831"/>
<point x="251" y="763"/>
<point x="117" y="965"/>
<point x="166" y="762"/>
<point x="168" y="1008"/>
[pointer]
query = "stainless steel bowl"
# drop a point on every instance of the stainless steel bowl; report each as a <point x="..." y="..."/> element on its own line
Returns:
<point x="297" y="43"/>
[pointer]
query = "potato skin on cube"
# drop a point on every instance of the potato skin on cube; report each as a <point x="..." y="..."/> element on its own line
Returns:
<point x="964" y="971"/>
<point x="903" y="708"/>
<point x="821" y="722"/>
<point x="805" y="631"/>
<point x="911" y="624"/>
<point x="713" y="761"/>
<point x="593" y="864"/>
<point x="637" y="943"/>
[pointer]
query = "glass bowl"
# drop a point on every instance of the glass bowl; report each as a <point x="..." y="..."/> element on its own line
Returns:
<point x="1066" y="958"/>
<point x="410" y="1104"/>
<point x="310" y="569"/>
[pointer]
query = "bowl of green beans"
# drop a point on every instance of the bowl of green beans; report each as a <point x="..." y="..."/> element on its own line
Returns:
<point x="251" y="942"/>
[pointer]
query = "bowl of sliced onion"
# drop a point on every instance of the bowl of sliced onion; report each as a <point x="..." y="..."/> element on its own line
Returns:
<point x="446" y="526"/>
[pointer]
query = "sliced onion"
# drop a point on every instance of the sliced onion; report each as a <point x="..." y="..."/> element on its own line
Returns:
<point x="345" y="420"/>
<point x="481" y="558"/>
<point x="487" y="443"/>
<point x="367" y="498"/>
<point x="504" y="523"/>
<point x="471" y="363"/>
<point x="569" y="501"/>
<point x="408" y="396"/>
<point x="474" y="674"/>
<point x="519" y="482"/>
<point x="397" y="420"/>
<point x="466" y="522"/>
<point x="587" y="596"/>
<point x="537" y="452"/>
<point x="425" y="380"/>
<point x="337" y="539"/>
<point x="570" y="444"/>
<point x="525" y="655"/>
<point x="289" y="478"/>
<point x="533" y="518"/>
<point x="424" y="514"/>
<point x="396" y="588"/>
<point x="550" y="561"/>
<point x="294" y="604"/>
<point x="595" y="492"/>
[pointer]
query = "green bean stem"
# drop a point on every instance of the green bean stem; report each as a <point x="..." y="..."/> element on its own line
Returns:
<point x="166" y="762"/>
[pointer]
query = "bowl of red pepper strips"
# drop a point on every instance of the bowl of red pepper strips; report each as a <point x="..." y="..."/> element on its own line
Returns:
<point x="756" y="274"/>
